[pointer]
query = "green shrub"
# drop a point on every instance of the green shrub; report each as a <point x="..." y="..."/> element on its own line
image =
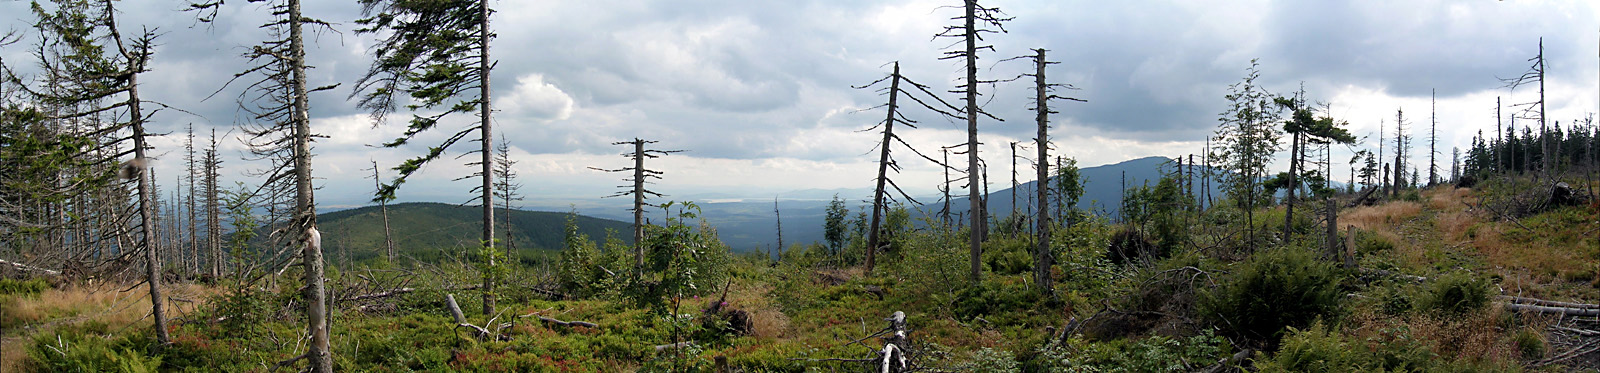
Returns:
<point x="988" y="360"/>
<point x="1008" y="255"/>
<point x="78" y="351"/>
<point x="1529" y="343"/>
<point x="1316" y="349"/>
<point x="30" y="287"/>
<point x="1153" y="354"/>
<point x="1368" y="243"/>
<point x="1274" y="289"/>
<point x="1457" y="293"/>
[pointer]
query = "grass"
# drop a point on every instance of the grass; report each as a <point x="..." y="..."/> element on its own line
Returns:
<point x="71" y="305"/>
<point x="801" y="311"/>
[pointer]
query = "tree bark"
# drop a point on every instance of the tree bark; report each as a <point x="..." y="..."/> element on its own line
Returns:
<point x="883" y="168"/>
<point x="974" y="201"/>
<point x="488" y="154"/>
<point x="1042" y="259"/>
<point x="152" y="252"/>
<point x="320" y="355"/>
<point x="638" y="205"/>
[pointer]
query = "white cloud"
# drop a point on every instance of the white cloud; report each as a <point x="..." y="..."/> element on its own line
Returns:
<point x="534" y="98"/>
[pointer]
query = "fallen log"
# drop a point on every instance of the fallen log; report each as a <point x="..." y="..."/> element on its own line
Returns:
<point x="461" y="320"/>
<point x="1548" y="303"/>
<point x="683" y="344"/>
<point x="29" y="268"/>
<point x="385" y="294"/>
<point x="1564" y="311"/>
<point x="1388" y="273"/>
<point x="1361" y="199"/>
<point x="569" y="323"/>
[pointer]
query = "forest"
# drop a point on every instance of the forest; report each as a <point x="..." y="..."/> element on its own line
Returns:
<point x="1259" y="252"/>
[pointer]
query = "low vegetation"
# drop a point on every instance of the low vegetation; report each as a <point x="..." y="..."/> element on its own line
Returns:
<point x="1422" y="299"/>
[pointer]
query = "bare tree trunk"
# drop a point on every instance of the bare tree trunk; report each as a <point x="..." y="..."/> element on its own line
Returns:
<point x="779" y="215"/>
<point x="974" y="201"/>
<point x="638" y="205"/>
<point x="945" y="212"/>
<point x="488" y="154"/>
<point x="1294" y="182"/>
<point x="152" y="252"/>
<point x="383" y="208"/>
<point x="319" y="354"/>
<point x="1544" y="134"/>
<point x="1042" y="259"/>
<point x="883" y="169"/>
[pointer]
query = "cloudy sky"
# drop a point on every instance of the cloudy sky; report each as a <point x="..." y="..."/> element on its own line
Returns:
<point x="759" y="92"/>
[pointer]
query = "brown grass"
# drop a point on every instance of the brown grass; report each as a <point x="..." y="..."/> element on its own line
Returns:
<point x="1383" y="216"/>
<point x="766" y="320"/>
<point x="73" y="304"/>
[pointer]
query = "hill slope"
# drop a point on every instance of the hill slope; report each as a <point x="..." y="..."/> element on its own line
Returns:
<point x="423" y="226"/>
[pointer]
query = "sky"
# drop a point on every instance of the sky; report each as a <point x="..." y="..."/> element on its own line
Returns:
<point x="759" y="93"/>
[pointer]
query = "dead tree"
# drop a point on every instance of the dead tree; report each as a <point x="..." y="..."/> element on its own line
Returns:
<point x="383" y="209"/>
<point x="213" y="206"/>
<point x="281" y="106"/>
<point x="641" y="176"/>
<point x="1433" y="139"/>
<point x="886" y="161"/>
<point x="1402" y="142"/>
<point x="506" y="188"/>
<point x="779" y="217"/>
<point x="1043" y="93"/>
<point x="1535" y="73"/>
<point x="89" y="62"/>
<point x="975" y="21"/>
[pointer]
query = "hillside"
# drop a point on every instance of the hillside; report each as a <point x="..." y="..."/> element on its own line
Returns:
<point x="427" y="226"/>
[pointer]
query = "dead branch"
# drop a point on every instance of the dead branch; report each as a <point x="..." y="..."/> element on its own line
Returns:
<point x="669" y="346"/>
<point x="1564" y="311"/>
<point x="461" y="320"/>
<point x="385" y="294"/>
<point x="1547" y="303"/>
<point x="568" y="323"/>
<point x="28" y="268"/>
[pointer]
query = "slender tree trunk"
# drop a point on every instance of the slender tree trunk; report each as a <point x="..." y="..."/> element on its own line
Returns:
<point x="878" y="207"/>
<point x="1544" y="134"/>
<point x="488" y="154"/>
<point x="638" y="205"/>
<point x="319" y="354"/>
<point x="383" y="208"/>
<point x="1042" y="258"/>
<point x="779" y="215"/>
<point x="945" y="212"/>
<point x="1294" y="182"/>
<point x="152" y="252"/>
<point x="974" y="201"/>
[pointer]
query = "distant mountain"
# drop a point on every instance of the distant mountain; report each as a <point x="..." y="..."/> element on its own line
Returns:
<point x="422" y="226"/>
<point x="1102" y="187"/>
<point x="744" y="224"/>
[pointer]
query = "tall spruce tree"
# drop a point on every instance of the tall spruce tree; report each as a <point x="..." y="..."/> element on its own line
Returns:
<point x="435" y="52"/>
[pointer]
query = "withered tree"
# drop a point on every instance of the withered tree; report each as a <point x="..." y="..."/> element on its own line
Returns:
<point x="278" y="100"/>
<point x="880" y="199"/>
<point x="1044" y="92"/>
<point x="435" y="52"/>
<point x="94" y="71"/>
<point x="640" y="177"/>
<point x="210" y="167"/>
<point x="1535" y="74"/>
<point x="975" y="21"/>
<point x="383" y="209"/>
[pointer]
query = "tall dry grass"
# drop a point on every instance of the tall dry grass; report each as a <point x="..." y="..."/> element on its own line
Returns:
<point x="72" y="304"/>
